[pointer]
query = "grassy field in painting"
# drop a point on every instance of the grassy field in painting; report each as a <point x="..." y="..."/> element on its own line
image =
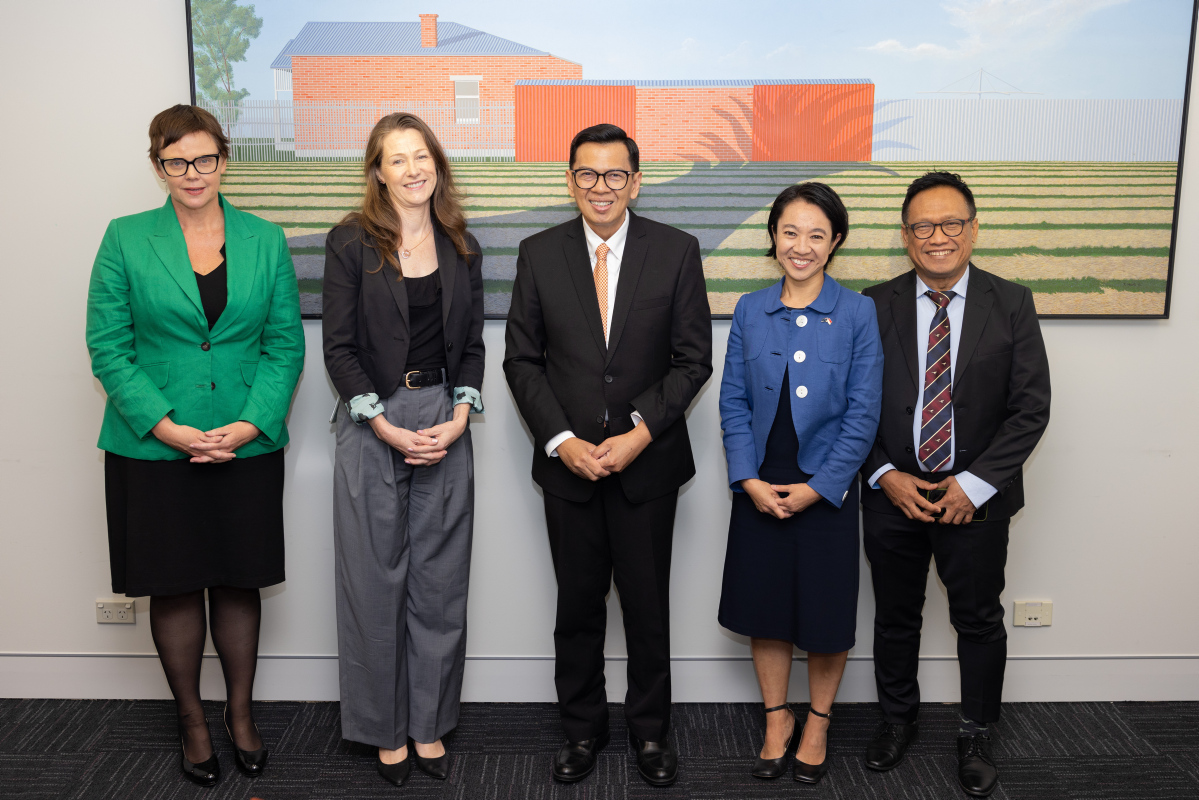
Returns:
<point x="1088" y="238"/>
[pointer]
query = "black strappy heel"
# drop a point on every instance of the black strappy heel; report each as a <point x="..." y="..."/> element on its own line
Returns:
<point x="812" y="773"/>
<point x="770" y="768"/>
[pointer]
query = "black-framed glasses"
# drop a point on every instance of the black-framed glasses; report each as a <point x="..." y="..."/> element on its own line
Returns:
<point x="950" y="227"/>
<point x="177" y="167"/>
<point x="615" y="179"/>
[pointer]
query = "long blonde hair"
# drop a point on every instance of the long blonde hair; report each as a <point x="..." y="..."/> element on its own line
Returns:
<point x="378" y="217"/>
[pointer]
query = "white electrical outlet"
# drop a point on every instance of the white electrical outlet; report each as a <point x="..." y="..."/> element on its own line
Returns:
<point x="1033" y="613"/>
<point x="116" y="610"/>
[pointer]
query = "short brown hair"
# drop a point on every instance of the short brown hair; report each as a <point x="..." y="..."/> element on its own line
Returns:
<point x="171" y="125"/>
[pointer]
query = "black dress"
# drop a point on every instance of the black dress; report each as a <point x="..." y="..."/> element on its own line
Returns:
<point x="175" y="526"/>
<point x="792" y="579"/>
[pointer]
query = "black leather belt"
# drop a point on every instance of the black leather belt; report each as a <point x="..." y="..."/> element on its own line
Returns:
<point x="418" y="379"/>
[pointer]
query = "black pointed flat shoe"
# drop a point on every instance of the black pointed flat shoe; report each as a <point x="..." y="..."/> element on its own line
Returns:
<point x="251" y="763"/>
<point x="397" y="773"/>
<point x="206" y="773"/>
<point x="812" y="773"/>
<point x="438" y="767"/>
<point x="771" y="768"/>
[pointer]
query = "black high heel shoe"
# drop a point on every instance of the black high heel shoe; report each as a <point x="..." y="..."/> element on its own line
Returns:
<point x="438" y="767"/>
<point x="397" y="773"/>
<point x="812" y="773"/>
<point x="250" y="762"/>
<point x="206" y="773"/>
<point x="771" y="768"/>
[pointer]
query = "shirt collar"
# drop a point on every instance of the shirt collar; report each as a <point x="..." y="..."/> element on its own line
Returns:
<point x="959" y="288"/>
<point x="615" y="242"/>
<point x="824" y="303"/>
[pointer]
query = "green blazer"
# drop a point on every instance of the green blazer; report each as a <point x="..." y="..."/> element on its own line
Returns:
<point x="150" y="344"/>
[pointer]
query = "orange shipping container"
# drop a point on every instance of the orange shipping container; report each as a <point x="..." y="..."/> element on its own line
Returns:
<point x="548" y="115"/>
<point x="813" y="122"/>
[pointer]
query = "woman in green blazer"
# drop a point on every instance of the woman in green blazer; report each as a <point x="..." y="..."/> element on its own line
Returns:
<point x="193" y="325"/>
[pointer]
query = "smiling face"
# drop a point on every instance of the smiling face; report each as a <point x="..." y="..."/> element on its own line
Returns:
<point x="407" y="169"/>
<point x="192" y="190"/>
<point x="803" y="241"/>
<point x="940" y="260"/>
<point x="603" y="208"/>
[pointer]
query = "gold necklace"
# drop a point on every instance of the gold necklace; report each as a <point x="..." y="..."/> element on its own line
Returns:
<point x="406" y="253"/>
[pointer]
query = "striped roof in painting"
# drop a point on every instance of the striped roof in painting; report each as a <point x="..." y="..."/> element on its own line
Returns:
<point x="394" y="39"/>
<point x="697" y="84"/>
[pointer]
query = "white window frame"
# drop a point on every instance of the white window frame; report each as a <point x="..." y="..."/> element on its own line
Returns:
<point x="462" y="115"/>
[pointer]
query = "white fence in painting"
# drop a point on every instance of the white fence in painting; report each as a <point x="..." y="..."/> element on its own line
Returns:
<point x="1027" y="130"/>
<point x="270" y="131"/>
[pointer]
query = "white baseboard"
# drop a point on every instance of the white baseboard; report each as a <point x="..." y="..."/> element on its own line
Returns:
<point x="694" y="680"/>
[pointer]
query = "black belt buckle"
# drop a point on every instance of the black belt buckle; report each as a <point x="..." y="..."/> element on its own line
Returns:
<point x="434" y="377"/>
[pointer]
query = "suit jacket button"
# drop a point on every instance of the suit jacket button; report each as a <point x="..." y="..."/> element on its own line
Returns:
<point x="909" y="449"/>
<point x="213" y="385"/>
<point x="599" y="419"/>
<point x="910" y="409"/>
<point x="205" y="346"/>
<point x="449" y="346"/>
<point x="607" y="379"/>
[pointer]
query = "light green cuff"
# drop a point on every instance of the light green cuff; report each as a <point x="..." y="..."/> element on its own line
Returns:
<point x="465" y="394"/>
<point x="364" y="406"/>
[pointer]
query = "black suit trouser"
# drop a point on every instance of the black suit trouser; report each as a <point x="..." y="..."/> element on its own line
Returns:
<point x="592" y="543"/>
<point x="970" y="562"/>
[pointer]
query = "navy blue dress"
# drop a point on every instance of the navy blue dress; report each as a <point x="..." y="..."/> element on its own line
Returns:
<point x="792" y="579"/>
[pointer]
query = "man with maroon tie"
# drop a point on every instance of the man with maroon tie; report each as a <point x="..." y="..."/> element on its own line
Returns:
<point x="965" y="401"/>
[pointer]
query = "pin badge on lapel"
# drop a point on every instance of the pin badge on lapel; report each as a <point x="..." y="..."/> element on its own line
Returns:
<point x="827" y="321"/>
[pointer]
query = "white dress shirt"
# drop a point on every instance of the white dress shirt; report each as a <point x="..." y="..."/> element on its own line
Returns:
<point x="615" y="256"/>
<point x="978" y="490"/>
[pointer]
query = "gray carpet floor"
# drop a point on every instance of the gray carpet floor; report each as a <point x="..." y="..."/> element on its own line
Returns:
<point x="125" y="750"/>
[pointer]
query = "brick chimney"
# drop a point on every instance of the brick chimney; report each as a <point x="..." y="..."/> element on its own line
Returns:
<point x="428" y="30"/>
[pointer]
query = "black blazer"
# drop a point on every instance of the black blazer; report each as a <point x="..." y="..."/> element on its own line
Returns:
<point x="659" y="353"/>
<point x="365" y="318"/>
<point x="1000" y="387"/>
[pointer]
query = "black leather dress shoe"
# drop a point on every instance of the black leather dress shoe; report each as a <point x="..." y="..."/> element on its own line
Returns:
<point x="576" y="760"/>
<point x="657" y="762"/>
<point x="976" y="769"/>
<point x="397" y="773"/>
<point x="250" y="762"/>
<point x="206" y="773"/>
<point x="771" y="768"/>
<point x="438" y="767"/>
<point x="889" y="744"/>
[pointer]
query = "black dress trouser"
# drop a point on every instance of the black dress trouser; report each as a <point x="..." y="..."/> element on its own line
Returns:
<point x="591" y="543"/>
<point x="970" y="562"/>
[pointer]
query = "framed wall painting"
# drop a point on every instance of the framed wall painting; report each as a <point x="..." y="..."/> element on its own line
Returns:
<point x="1067" y="120"/>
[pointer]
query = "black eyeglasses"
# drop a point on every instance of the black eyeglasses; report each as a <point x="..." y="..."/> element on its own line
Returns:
<point x="950" y="227"/>
<point x="177" y="167"/>
<point x="615" y="179"/>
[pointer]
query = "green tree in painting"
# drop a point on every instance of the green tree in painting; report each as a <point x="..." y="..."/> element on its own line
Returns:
<point x="221" y="34"/>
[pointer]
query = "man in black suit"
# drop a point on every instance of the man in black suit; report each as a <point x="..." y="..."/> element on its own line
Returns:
<point x="609" y="339"/>
<point x="965" y="401"/>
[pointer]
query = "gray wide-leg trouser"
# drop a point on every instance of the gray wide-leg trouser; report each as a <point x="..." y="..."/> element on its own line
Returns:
<point x="402" y="537"/>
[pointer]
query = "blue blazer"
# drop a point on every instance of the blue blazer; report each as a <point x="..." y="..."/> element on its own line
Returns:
<point x="835" y="361"/>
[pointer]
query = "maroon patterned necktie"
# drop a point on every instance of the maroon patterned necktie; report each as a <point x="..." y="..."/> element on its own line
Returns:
<point x="936" y="421"/>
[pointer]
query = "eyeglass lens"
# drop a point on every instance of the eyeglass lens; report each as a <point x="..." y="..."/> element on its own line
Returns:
<point x="950" y="227"/>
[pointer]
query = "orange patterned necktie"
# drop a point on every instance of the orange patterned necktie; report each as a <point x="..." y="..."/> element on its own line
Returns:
<point x="601" y="284"/>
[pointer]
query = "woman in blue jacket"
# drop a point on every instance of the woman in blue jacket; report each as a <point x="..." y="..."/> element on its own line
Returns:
<point x="799" y="405"/>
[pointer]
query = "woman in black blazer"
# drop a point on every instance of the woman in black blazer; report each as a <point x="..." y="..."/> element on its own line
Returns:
<point x="403" y="342"/>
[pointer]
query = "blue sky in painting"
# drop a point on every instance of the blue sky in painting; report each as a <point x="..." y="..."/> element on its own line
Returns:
<point x="1058" y="48"/>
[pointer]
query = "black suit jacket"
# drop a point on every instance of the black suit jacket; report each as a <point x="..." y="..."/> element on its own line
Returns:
<point x="658" y="356"/>
<point x="1000" y="386"/>
<point x="365" y="316"/>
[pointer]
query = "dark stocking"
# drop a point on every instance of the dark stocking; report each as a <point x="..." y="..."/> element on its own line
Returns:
<point x="177" y="625"/>
<point x="235" y="615"/>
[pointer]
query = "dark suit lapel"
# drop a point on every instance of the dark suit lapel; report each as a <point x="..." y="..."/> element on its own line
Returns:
<point x="903" y="312"/>
<point x="370" y="263"/>
<point x="578" y="264"/>
<point x="171" y="249"/>
<point x="635" y="248"/>
<point x="447" y="265"/>
<point x="241" y="264"/>
<point x="979" y="300"/>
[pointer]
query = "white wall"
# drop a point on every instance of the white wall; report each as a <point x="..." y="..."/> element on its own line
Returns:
<point x="1109" y="533"/>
